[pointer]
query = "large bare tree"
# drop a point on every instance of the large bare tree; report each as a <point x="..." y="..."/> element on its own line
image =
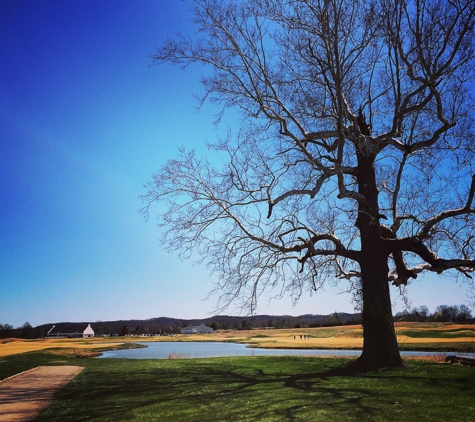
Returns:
<point x="355" y="157"/>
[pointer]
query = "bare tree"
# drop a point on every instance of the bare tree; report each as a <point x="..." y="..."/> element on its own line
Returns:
<point x="355" y="158"/>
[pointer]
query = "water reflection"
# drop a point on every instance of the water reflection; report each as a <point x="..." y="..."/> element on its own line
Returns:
<point x="187" y="350"/>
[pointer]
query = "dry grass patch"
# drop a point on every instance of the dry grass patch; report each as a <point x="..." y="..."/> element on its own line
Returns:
<point x="433" y="358"/>
<point x="311" y="343"/>
<point x="16" y="346"/>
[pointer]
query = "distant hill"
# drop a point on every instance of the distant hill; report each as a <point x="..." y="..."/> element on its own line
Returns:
<point x="165" y="325"/>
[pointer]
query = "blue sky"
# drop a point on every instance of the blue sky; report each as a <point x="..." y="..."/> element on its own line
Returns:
<point x="84" y="122"/>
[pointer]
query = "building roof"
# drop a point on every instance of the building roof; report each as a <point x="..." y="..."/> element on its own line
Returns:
<point x="88" y="330"/>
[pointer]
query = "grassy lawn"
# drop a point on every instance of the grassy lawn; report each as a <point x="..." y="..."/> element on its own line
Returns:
<point x="252" y="389"/>
<point x="453" y="333"/>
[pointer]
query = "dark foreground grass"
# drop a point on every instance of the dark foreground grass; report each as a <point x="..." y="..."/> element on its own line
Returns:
<point x="254" y="389"/>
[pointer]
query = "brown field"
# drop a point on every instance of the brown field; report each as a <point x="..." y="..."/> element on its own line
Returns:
<point x="351" y="337"/>
<point x="15" y="346"/>
<point x="341" y="337"/>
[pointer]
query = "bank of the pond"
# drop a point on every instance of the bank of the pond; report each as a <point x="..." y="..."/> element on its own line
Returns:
<point x="187" y="350"/>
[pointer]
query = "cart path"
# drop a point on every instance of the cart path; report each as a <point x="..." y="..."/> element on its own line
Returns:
<point x="24" y="395"/>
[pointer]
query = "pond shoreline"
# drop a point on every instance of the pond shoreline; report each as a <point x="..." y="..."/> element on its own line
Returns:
<point x="186" y="350"/>
<point x="407" y="348"/>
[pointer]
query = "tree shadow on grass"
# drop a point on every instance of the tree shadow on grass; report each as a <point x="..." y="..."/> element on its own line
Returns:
<point x="244" y="389"/>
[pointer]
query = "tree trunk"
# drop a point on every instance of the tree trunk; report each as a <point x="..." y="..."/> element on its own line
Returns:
<point x="380" y="348"/>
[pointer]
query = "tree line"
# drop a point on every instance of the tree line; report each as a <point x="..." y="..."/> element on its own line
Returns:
<point x="443" y="313"/>
<point x="167" y="326"/>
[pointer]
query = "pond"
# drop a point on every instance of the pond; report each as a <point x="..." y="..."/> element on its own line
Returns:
<point x="182" y="350"/>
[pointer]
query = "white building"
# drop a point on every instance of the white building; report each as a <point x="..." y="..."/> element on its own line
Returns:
<point x="88" y="332"/>
<point x="198" y="329"/>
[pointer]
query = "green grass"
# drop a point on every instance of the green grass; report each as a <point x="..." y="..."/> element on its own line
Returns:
<point x="253" y="389"/>
<point x="454" y="333"/>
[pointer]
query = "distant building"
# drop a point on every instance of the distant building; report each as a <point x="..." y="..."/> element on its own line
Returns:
<point x="88" y="332"/>
<point x="58" y="334"/>
<point x="198" y="329"/>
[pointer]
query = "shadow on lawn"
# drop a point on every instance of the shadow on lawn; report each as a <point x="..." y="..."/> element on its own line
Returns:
<point x="207" y="390"/>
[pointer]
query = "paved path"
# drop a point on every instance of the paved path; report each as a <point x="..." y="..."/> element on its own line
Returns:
<point x="23" y="396"/>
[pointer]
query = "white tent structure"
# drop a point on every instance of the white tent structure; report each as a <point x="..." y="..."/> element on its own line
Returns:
<point x="88" y="332"/>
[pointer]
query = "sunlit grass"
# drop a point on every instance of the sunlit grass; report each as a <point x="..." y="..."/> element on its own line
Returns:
<point x="264" y="389"/>
<point x="253" y="389"/>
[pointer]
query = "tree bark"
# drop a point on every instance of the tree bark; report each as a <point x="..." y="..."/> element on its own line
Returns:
<point x="380" y="348"/>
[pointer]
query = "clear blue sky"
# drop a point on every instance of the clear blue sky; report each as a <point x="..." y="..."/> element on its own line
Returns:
<point x="84" y="122"/>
